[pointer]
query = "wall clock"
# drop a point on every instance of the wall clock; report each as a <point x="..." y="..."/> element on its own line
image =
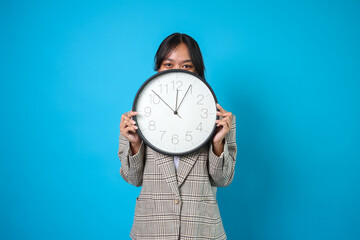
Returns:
<point x="176" y="112"/>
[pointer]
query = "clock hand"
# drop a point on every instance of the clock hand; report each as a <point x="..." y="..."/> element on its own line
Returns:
<point x="177" y="91"/>
<point x="165" y="103"/>
<point x="183" y="98"/>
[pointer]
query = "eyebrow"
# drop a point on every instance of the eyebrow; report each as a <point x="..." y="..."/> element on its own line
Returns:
<point x="185" y="61"/>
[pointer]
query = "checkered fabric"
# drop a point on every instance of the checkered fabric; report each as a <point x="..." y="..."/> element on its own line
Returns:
<point x="178" y="205"/>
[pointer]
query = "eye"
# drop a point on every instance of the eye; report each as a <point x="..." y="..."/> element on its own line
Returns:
<point x="188" y="66"/>
<point x="169" y="65"/>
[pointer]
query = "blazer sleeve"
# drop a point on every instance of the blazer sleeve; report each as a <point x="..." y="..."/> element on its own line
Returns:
<point x="132" y="166"/>
<point x="222" y="168"/>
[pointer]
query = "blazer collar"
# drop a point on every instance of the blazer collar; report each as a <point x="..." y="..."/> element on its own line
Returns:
<point x="186" y="163"/>
<point x="167" y="167"/>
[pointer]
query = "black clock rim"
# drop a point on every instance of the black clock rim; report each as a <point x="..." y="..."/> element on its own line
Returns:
<point x="144" y="138"/>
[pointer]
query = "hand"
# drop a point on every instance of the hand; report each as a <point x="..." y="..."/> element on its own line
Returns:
<point x="177" y="93"/>
<point x="128" y="130"/>
<point x="183" y="98"/>
<point x="165" y="103"/>
<point x="223" y="127"/>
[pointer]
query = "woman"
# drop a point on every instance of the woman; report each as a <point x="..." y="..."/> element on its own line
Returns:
<point x="178" y="195"/>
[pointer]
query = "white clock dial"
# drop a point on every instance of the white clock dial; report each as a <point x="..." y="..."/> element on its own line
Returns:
<point x="176" y="112"/>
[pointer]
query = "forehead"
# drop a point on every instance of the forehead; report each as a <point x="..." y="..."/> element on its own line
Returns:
<point x="180" y="52"/>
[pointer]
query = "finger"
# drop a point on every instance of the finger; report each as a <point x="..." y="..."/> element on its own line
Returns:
<point x="130" y="129"/>
<point x="220" y="123"/>
<point x="123" y="128"/>
<point x="224" y="125"/>
<point x="228" y="114"/>
<point x="129" y="122"/>
<point x="223" y="122"/>
<point x="226" y="120"/>
<point x="228" y="123"/>
<point x="221" y="114"/>
<point x="224" y="115"/>
<point x="122" y="121"/>
<point x="126" y="124"/>
<point x="131" y="114"/>
<point x="132" y="122"/>
<point x="126" y="118"/>
<point x="229" y="117"/>
<point x="220" y="108"/>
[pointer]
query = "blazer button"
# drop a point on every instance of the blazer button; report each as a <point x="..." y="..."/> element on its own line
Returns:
<point x="176" y="201"/>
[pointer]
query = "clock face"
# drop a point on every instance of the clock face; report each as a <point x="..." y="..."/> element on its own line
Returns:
<point x="176" y="112"/>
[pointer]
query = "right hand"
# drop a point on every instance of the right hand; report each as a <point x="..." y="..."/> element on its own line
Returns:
<point x="128" y="130"/>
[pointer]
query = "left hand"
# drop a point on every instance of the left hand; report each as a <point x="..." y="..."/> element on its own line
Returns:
<point x="223" y="125"/>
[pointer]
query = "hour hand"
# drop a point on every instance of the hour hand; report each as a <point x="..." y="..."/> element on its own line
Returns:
<point x="165" y="103"/>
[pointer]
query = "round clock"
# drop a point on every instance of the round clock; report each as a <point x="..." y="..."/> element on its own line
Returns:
<point x="176" y="112"/>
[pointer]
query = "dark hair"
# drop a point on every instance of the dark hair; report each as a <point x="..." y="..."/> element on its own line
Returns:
<point x="171" y="42"/>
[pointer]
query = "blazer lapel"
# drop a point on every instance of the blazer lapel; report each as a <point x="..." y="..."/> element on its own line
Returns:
<point x="186" y="163"/>
<point x="167" y="167"/>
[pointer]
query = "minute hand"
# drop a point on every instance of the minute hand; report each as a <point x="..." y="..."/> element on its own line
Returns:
<point x="165" y="102"/>
<point x="183" y="97"/>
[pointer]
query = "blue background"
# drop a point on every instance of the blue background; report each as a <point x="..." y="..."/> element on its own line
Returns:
<point x="289" y="71"/>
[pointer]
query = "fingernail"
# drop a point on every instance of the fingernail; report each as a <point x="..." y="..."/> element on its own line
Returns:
<point x="136" y="127"/>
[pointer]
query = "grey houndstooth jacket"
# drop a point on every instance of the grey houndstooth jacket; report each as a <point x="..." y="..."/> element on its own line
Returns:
<point x="178" y="205"/>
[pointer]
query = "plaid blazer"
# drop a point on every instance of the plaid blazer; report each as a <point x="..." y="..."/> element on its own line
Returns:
<point x="178" y="204"/>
